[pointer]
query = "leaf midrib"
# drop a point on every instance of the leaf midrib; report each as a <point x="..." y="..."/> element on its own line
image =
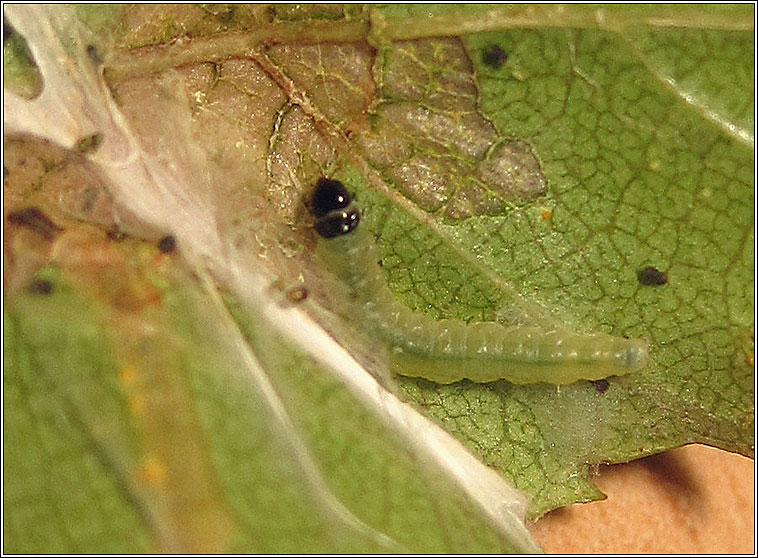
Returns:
<point x="374" y="25"/>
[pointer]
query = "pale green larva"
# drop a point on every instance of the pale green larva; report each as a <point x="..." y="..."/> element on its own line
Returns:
<point x="447" y="351"/>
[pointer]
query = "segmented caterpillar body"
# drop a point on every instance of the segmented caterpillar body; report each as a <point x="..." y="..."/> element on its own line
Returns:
<point x="450" y="350"/>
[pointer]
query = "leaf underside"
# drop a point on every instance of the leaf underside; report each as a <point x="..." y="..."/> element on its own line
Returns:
<point x="511" y="163"/>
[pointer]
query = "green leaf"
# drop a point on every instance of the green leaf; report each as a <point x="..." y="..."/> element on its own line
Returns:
<point x="153" y="420"/>
<point x="510" y="162"/>
<point x="68" y="445"/>
<point x="638" y="177"/>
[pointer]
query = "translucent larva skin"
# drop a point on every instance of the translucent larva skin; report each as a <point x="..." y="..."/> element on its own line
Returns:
<point x="521" y="355"/>
<point x="447" y="351"/>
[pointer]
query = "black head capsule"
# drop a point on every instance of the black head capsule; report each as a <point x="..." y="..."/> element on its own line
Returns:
<point x="329" y="195"/>
<point x="337" y="223"/>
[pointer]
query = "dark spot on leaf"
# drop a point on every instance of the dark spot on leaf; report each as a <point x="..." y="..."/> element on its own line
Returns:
<point x="651" y="276"/>
<point x="167" y="244"/>
<point x="7" y="29"/>
<point x="297" y="294"/>
<point x="40" y="287"/>
<point x="116" y="234"/>
<point x="601" y="385"/>
<point x="90" y="143"/>
<point x="88" y="198"/>
<point x="34" y="219"/>
<point x="94" y="54"/>
<point x="494" y="56"/>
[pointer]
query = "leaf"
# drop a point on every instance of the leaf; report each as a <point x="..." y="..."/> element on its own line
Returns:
<point x="504" y="172"/>
<point x="634" y="172"/>
<point x="159" y="424"/>
<point x="65" y="440"/>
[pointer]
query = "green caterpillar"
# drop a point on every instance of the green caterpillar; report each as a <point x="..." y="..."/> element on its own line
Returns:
<point x="447" y="350"/>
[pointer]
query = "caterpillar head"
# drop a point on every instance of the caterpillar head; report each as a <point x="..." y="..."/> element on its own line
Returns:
<point x="332" y="207"/>
<point x="337" y="223"/>
<point x="328" y="195"/>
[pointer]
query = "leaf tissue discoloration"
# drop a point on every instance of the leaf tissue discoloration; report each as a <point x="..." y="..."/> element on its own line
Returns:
<point x="429" y="140"/>
<point x="514" y="172"/>
<point x="33" y="218"/>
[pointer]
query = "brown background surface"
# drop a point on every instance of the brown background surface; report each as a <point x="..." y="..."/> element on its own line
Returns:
<point x="694" y="499"/>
